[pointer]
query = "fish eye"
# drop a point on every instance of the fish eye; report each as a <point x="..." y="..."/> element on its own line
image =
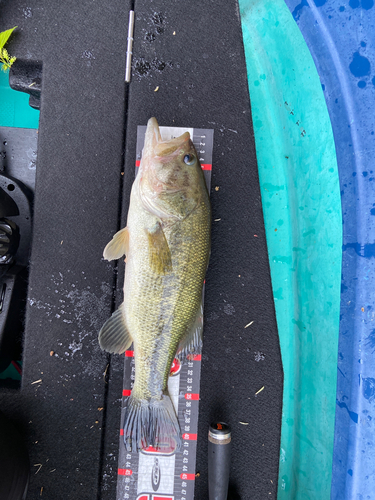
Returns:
<point x="189" y="159"/>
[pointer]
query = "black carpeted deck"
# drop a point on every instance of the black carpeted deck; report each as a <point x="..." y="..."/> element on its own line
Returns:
<point x="193" y="52"/>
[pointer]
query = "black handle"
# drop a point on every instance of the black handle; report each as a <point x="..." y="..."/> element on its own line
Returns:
<point x="219" y="444"/>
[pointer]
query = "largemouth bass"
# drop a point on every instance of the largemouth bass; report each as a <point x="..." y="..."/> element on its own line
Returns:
<point x="167" y="246"/>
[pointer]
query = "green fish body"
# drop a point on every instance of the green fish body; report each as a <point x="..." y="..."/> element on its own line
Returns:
<point x="167" y="246"/>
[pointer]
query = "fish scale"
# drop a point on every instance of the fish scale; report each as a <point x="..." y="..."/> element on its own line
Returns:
<point x="175" y="298"/>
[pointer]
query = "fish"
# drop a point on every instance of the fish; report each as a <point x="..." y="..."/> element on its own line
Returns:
<point x="167" y="243"/>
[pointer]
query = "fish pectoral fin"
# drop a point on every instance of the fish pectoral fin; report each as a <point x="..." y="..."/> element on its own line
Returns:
<point x="160" y="258"/>
<point x="192" y="342"/>
<point x="118" y="246"/>
<point x="114" y="336"/>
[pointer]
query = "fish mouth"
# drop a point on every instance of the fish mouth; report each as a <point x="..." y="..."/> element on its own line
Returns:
<point x="155" y="146"/>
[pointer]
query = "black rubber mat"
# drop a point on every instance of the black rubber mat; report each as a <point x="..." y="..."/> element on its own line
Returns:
<point x="188" y="70"/>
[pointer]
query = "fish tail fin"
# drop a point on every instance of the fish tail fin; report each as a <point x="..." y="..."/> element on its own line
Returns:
<point x="151" y="423"/>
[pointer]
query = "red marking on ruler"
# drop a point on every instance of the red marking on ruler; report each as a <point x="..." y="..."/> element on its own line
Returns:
<point x="162" y="498"/>
<point x="189" y="437"/>
<point x="143" y="497"/>
<point x="126" y="392"/>
<point x="194" y="357"/>
<point x="129" y="354"/>
<point x="166" y="448"/>
<point x="121" y="432"/>
<point x="176" y="367"/>
<point x="125" y="472"/>
<point x="192" y="396"/>
<point x="189" y="477"/>
<point x="137" y="163"/>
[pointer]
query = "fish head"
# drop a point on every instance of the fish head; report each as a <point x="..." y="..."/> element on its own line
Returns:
<point x="171" y="179"/>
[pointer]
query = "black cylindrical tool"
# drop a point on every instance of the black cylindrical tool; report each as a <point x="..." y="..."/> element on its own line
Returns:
<point x="219" y="438"/>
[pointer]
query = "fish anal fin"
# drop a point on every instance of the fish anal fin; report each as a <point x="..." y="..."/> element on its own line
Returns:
<point x="118" y="246"/>
<point x="191" y="343"/>
<point x="158" y="250"/>
<point x="114" y="336"/>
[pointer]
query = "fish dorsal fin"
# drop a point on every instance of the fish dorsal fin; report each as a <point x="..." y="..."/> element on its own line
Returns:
<point x="192" y="342"/>
<point x="118" y="246"/>
<point x="160" y="259"/>
<point x="114" y="336"/>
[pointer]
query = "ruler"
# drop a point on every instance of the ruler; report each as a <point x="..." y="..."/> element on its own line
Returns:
<point x="167" y="474"/>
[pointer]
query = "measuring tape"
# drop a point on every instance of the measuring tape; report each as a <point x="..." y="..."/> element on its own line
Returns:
<point x="167" y="474"/>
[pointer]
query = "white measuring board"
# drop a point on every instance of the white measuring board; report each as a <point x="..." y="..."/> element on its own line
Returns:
<point x="167" y="474"/>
